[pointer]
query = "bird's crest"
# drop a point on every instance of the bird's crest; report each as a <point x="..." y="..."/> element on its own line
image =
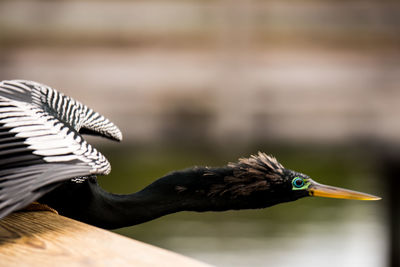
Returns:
<point x="250" y="175"/>
<point x="258" y="164"/>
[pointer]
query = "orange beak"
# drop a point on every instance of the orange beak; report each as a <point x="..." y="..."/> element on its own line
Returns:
<point x="320" y="190"/>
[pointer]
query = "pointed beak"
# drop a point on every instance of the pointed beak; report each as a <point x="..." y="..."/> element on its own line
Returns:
<point x="320" y="190"/>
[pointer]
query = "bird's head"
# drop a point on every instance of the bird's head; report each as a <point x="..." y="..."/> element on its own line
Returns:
<point x="265" y="181"/>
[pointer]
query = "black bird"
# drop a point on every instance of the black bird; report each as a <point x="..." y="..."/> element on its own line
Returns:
<point x="43" y="156"/>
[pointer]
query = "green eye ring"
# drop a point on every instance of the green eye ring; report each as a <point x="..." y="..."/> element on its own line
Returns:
<point x="297" y="183"/>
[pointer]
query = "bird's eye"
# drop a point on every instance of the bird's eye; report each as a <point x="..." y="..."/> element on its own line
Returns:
<point x="298" y="182"/>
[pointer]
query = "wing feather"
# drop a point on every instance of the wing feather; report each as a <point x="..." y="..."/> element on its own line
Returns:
<point x="40" y="144"/>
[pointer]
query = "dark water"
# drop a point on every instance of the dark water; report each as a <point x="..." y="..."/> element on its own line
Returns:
<point x="307" y="232"/>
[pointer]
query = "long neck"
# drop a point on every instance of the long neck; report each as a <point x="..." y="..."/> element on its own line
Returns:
<point x="198" y="189"/>
<point x="179" y="191"/>
<point x="189" y="190"/>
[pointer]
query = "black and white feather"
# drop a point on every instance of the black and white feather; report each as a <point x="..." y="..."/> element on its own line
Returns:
<point x="40" y="142"/>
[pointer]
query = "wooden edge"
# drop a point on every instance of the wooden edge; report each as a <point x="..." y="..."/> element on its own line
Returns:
<point x="43" y="238"/>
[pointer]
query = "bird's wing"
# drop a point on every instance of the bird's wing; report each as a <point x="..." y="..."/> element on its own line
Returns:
<point x="38" y="149"/>
<point x="66" y="109"/>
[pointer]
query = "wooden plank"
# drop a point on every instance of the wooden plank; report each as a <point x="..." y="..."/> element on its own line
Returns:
<point x="43" y="238"/>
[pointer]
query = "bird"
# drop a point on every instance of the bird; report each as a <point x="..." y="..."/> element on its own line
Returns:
<point x="45" y="158"/>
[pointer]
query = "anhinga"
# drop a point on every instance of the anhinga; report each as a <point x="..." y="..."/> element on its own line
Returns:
<point x="43" y="156"/>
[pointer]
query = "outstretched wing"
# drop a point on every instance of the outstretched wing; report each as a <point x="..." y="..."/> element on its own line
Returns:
<point x="64" y="108"/>
<point x="39" y="142"/>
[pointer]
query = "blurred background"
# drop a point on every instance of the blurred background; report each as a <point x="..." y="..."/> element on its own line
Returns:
<point x="204" y="82"/>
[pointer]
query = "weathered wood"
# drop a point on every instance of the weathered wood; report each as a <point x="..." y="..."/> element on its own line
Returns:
<point x="46" y="239"/>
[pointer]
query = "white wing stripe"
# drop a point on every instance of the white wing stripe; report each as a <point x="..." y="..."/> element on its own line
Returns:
<point x="43" y="138"/>
<point x="54" y="151"/>
<point x="18" y="123"/>
<point x="14" y="114"/>
<point x="30" y="128"/>
<point x="8" y="109"/>
<point x="46" y="132"/>
<point x="52" y="144"/>
<point x="16" y="120"/>
<point x="61" y="158"/>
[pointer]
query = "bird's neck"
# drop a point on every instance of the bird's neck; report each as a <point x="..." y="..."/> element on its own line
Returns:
<point x="189" y="190"/>
<point x="197" y="189"/>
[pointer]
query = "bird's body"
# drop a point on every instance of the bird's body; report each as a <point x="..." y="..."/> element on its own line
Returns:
<point x="43" y="155"/>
